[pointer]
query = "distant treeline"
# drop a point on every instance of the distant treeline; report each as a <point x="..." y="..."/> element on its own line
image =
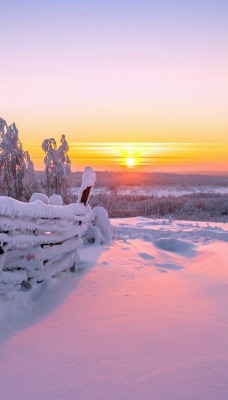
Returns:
<point x="118" y="179"/>
<point x="113" y="179"/>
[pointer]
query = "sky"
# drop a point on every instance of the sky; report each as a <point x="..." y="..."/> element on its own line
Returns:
<point x="118" y="74"/>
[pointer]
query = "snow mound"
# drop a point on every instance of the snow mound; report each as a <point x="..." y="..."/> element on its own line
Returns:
<point x="94" y="236"/>
<point x="175" y="246"/>
<point x="99" y="217"/>
<point x="56" y="200"/>
<point x="39" y="196"/>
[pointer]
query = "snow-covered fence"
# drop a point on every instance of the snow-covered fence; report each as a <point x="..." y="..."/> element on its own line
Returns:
<point x="37" y="240"/>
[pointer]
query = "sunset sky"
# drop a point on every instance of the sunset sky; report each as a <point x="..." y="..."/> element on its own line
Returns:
<point x="134" y="84"/>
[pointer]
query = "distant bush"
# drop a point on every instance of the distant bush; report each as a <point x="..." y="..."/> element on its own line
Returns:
<point x="197" y="206"/>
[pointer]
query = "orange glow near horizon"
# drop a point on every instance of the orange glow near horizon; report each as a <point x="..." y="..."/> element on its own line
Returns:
<point x="150" y="76"/>
<point x="148" y="157"/>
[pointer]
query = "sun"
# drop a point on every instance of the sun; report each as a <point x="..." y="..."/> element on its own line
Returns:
<point x="130" y="162"/>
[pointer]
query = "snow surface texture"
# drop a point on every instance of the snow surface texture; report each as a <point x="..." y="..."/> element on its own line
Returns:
<point x="37" y="209"/>
<point x="145" y="318"/>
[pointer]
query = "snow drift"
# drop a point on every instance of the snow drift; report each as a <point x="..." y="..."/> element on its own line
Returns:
<point x="140" y="319"/>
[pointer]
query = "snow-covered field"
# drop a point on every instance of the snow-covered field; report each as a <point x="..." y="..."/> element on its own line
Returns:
<point x="161" y="191"/>
<point x="145" y="318"/>
<point x="172" y="191"/>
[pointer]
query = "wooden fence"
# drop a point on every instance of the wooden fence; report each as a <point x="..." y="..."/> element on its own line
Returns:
<point x="37" y="240"/>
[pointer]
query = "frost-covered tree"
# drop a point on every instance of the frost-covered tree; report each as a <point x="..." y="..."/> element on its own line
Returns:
<point x="30" y="182"/>
<point x="57" y="168"/>
<point x="17" y="176"/>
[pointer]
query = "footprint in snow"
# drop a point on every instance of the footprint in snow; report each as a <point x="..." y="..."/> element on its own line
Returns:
<point x="146" y="256"/>
<point x="165" y="267"/>
<point x="177" y="246"/>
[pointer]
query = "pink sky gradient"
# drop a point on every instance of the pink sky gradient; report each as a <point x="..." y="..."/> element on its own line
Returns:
<point x="124" y="72"/>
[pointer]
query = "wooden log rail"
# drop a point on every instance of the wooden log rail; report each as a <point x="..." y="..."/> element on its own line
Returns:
<point x="37" y="240"/>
